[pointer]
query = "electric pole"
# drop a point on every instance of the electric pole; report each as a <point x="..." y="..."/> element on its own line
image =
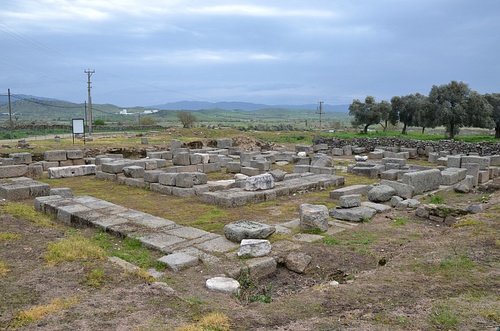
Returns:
<point x="320" y="112"/>
<point x="10" y="114"/>
<point x="89" y="73"/>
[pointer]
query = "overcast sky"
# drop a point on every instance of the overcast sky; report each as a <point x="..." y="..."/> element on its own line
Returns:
<point x="269" y="51"/>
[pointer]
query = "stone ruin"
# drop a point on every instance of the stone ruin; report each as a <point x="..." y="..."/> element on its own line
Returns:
<point x="183" y="172"/>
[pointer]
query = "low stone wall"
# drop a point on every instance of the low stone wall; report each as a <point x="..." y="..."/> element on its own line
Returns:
<point x="454" y="147"/>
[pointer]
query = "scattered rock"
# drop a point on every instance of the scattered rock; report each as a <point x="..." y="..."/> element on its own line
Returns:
<point x="297" y="261"/>
<point x="254" y="248"/>
<point x="223" y="284"/>
<point x="313" y="217"/>
<point x="244" y="229"/>
<point x="381" y="193"/>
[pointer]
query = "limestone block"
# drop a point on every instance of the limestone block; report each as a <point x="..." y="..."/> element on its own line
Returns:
<point x="74" y="154"/>
<point x="278" y="175"/>
<point x="494" y="160"/>
<point x="181" y="159"/>
<point x="254" y="248"/>
<point x="233" y="167"/>
<point x="313" y="217"/>
<point x="223" y="284"/>
<point x="116" y="166"/>
<point x="399" y="162"/>
<point x="300" y="169"/>
<point x="66" y="163"/>
<point x="6" y="161"/>
<point x="168" y="179"/>
<point x="404" y="191"/>
<point x="72" y="171"/>
<point x="179" y="261"/>
<point x="350" y="200"/>
<point x="454" y="161"/>
<point x="151" y="176"/>
<point x="21" y="158"/>
<point x="245" y="229"/>
<point x="262" y="165"/>
<point x="320" y="147"/>
<point x="260" y="267"/>
<point x="423" y="181"/>
<point x="378" y="207"/>
<point x="64" y="192"/>
<point x="376" y="155"/>
<point x="9" y="171"/>
<point x="450" y="176"/>
<point x="322" y="160"/>
<point x="133" y="172"/>
<point x="55" y="155"/>
<point x="484" y="162"/>
<point x="356" y="214"/>
<point x="472" y="170"/>
<point x="259" y="182"/>
<point x="301" y="160"/>
<point x="352" y="189"/>
<point x="35" y="171"/>
<point x="224" y="143"/>
<point x="347" y="150"/>
<point x="338" y="151"/>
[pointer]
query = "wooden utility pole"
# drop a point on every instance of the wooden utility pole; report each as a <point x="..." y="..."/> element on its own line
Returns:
<point x="89" y="73"/>
<point x="10" y="113"/>
<point x="320" y="112"/>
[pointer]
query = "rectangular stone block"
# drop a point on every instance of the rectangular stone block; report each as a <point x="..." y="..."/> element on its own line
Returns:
<point x="352" y="189"/>
<point x="55" y="155"/>
<point x="6" y="161"/>
<point x="300" y="169"/>
<point x="484" y="176"/>
<point x="181" y="159"/>
<point x="9" y="171"/>
<point x="376" y="155"/>
<point x="116" y="166"/>
<point x="74" y="154"/>
<point x="21" y="158"/>
<point x="404" y="191"/>
<point x="472" y="170"/>
<point x="301" y="160"/>
<point x="450" y="176"/>
<point x="151" y="176"/>
<point x="494" y="160"/>
<point x="72" y="171"/>
<point x="161" y="189"/>
<point x="399" y="162"/>
<point x="454" y="161"/>
<point x="337" y="151"/>
<point x="136" y="182"/>
<point x="484" y="162"/>
<point x="423" y="181"/>
<point x="224" y="143"/>
<point x="233" y="167"/>
<point x="167" y="178"/>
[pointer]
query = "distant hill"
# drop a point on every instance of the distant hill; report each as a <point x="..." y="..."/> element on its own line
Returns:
<point x="247" y="106"/>
<point x="4" y="98"/>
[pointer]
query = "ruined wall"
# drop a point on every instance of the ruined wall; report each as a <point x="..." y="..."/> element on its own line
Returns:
<point x="454" y="147"/>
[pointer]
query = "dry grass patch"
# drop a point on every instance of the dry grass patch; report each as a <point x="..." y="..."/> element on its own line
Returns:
<point x="212" y="322"/>
<point x="37" y="313"/>
<point x="74" y="248"/>
<point x="4" y="270"/>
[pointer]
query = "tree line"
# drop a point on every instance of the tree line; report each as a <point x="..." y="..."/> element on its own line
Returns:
<point x="453" y="105"/>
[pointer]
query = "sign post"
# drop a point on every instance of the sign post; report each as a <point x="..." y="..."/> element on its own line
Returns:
<point x="78" y="128"/>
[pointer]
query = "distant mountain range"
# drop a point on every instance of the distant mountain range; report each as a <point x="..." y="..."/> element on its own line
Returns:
<point x="247" y="106"/>
<point x="199" y="105"/>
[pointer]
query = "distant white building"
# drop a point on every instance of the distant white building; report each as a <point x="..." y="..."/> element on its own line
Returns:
<point x="124" y="112"/>
<point x="150" y="111"/>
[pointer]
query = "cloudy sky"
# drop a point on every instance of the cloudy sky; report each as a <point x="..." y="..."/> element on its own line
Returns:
<point x="262" y="51"/>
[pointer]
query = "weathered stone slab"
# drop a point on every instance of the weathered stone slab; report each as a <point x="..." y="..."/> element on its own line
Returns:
<point x="352" y="189"/>
<point x="72" y="171"/>
<point x="356" y="214"/>
<point x="244" y="229"/>
<point x="178" y="261"/>
<point x="484" y="162"/>
<point x="380" y="208"/>
<point x="259" y="182"/>
<point x="223" y="284"/>
<point x="404" y="191"/>
<point x="217" y="245"/>
<point x="450" y="176"/>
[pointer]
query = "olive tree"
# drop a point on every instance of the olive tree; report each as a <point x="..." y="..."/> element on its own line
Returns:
<point x="187" y="119"/>
<point x="364" y="113"/>
<point x="494" y="100"/>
